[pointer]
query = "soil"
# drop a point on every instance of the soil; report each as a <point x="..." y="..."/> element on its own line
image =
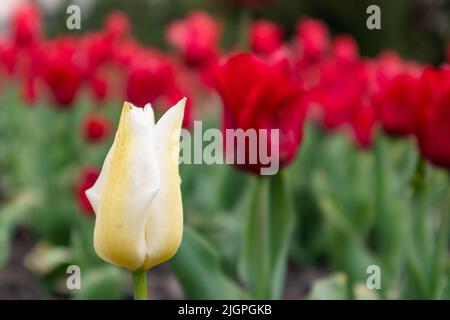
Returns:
<point x="16" y="282"/>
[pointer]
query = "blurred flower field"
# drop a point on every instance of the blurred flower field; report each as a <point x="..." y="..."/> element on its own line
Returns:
<point x="364" y="155"/>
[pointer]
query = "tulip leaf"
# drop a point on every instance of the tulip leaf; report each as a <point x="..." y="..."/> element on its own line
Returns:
<point x="106" y="283"/>
<point x="197" y="268"/>
<point x="10" y="215"/>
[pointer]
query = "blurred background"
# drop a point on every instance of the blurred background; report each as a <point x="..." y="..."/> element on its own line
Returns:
<point x="350" y="208"/>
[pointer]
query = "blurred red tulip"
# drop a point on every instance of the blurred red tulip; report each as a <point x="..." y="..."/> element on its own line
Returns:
<point x="313" y="38"/>
<point x="60" y="71"/>
<point x="395" y="105"/>
<point x="96" y="50"/>
<point x="8" y="54"/>
<point x="257" y="95"/>
<point x="89" y="176"/>
<point x="345" y="49"/>
<point x="340" y="91"/>
<point x="433" y="115"/>
<point x="96" y="128"/>
<point x="265" y="37"/>
<point x="150" y="77"/>
<point x="99" y="87"/>
<point x="363" y="126"/>
<point x="28" y="90"/>
<point x="117" y="25"/>
<point x="26" y="25"/>
<point x="196" y="38"/>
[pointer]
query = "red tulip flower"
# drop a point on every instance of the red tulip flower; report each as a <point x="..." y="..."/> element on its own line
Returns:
<point x="61" y="72"/>
<point x="8" y="54"/>
<point x="257" y="95"/>
<point x="196" y="38"/>
<point x="150" y="76"/>
<point x="345" y="49"/>
<point x="26" y="25"/>
<point x="395" y="105"/>
<point x="117" y="25"/>
<point x="363" y="126"/>
<point x="313" y="39"/>
<point x="265" y="37"/>
<point x="433" y="116"/>
<point x="96" y="128"/>
<point x="342" y="89"/>
<point x="87" y="179"/>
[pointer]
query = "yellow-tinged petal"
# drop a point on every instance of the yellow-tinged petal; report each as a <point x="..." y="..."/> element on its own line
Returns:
<point x="164" y="225"/>
<point x="123" y="194"/>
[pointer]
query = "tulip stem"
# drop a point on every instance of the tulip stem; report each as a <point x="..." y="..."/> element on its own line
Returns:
<point x="140" y="284"/>
<point x="440" y="262"/>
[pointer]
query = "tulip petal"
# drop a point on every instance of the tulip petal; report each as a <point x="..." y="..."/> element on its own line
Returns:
<point x="164" y="225"/>
<point x="123" y="194"/>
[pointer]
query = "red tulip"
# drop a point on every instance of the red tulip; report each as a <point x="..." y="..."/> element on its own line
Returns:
<point x="257" y="95"/>
<point x="265" y="37"/>
<point x="433" y="116"/>
<point x="8" y="54"/>
<point x="345" y="49"/>
<point x="395" y="105"/>
<point x="60" y="71"/>
<point x="28" y="90"/>
<point x="313" y="39"/>
<point x="96" y="49"/>
<point x="363" y="126"/>
<point x="87" y="179"/>
<point x="26" y="25"/>
<point x="150" y="76"/>
<point x="117" y="25"/>
<point x="95" y="128"/>
<point x="340" y="91"/>
<point x="196" y="38"/>
<point x="99" y="87"/>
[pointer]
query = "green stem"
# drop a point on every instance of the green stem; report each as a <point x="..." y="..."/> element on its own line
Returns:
<point x="140" y="284"/>
<point x="380" y="208"/>
<point x="421" y="225"/>
<point x="441" y="254"/>
<point x="257" y="243"/>
<point x="262" y="288"/>
<point x="418" y="236"/>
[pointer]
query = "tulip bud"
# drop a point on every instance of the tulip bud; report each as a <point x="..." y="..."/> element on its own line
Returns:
<point x="137" y="197"/>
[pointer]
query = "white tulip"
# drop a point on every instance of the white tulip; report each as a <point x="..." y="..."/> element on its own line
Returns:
<point x="137" y="197"/>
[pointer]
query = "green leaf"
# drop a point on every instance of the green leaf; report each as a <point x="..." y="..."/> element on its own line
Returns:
<point x="197" y="268"/>
<point x="10" y="215"/>
<point x="106" y="283"/>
